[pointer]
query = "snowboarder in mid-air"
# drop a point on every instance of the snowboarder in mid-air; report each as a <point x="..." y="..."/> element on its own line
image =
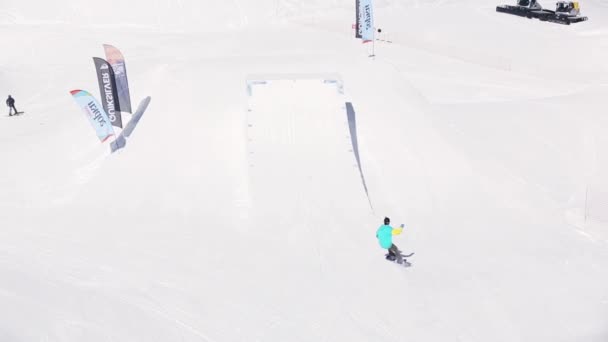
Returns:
<point x="10" y="102"/>
<point x="385" y="238"/>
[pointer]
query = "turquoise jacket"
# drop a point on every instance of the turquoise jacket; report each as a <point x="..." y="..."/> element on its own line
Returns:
<point x="385" y="235"/>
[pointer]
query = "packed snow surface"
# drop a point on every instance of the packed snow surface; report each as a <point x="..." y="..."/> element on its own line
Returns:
<point x="237" y="210"/>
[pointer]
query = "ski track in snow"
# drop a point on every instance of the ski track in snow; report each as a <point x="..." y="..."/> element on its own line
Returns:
<point x="243" y="18"/>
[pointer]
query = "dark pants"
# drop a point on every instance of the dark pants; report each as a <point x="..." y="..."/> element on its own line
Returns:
<point x="395" y="254"/>
<point x="10" y="110"/>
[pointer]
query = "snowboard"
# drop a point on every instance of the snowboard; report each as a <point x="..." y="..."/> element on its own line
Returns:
<point x="404" y="257"/>
<point x="18" y="113"/>
<point x="404" y="264"/>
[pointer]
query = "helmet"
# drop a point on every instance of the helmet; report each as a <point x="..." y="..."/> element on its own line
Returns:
<point x="387" y="220"/>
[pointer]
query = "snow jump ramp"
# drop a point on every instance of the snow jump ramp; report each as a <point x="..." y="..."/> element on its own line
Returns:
<point x="301" y="156"/>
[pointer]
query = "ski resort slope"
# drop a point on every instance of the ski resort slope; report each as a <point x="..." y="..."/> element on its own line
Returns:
<point x="239" y="213"/>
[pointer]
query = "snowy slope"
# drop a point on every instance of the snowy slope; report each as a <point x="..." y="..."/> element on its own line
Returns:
<point x="232" y="217"/>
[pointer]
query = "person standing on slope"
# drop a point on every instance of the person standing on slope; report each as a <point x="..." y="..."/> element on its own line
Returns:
<point x="385" y="238"/>
<point x="10" y="102"/>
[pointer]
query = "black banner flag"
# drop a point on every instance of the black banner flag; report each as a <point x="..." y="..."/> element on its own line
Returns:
<point x="109" y="93"/>
<point x="357" y="19"/>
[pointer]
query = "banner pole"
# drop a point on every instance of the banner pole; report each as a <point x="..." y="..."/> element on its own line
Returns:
<point x="373" y="45"/>
<point x="586" y="199"/>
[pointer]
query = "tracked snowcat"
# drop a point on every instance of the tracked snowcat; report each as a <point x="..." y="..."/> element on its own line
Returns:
<point x="524" y="8"/>
<point x="566" y="12"/>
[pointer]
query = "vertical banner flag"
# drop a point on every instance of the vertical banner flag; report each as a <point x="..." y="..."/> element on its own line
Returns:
<point x="107" y="88"/>
<point x="95" y="113"/>
<point x="366" y="24"/>
<point x="117" y="61"/>
<point x="357" y="19"/>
